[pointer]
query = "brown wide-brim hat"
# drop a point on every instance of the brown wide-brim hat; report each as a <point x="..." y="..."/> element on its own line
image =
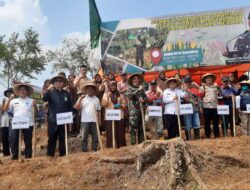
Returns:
<point x="84" y="88"/>
<point x="65" y="80"/>
<point x="245" y="82"/>
<point x="27" y="86"/>
<point x="130" y="79"/>
<point x="178" y="81"/>
<point x="203" y="78"/>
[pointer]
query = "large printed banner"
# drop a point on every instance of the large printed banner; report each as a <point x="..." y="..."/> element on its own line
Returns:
<point x="185" y="41"/>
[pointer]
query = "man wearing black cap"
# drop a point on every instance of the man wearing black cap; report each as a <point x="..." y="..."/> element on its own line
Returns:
<point x="154" y="98"/>
<point x="81" y="80"/>
<point x="193" y="97"/>
<point x="227" y="92"/>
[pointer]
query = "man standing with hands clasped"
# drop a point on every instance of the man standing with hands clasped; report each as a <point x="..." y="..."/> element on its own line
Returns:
<point x="59" y="102"/>
<point x="22" y="107"/>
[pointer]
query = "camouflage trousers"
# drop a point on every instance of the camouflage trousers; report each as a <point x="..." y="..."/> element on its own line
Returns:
<point x="135" y="123"/>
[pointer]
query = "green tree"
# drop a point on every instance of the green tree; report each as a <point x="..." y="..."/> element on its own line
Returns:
<point x="21" y="59"/>
<point x="69" y="56"/>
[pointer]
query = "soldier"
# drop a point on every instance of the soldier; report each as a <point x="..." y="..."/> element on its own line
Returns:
<point x="140" y="46"/>
<point x="137" y="96"/>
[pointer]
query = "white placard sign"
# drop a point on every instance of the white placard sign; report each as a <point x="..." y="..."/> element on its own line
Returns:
<point x="248" y="108"/>
<point x="186" y="109"/>
<point x="113" y="115"/>
<point x="155" y="111"/>
<point x="20" y="123"/>
<point x="223" y="110"/>
<point x="64" y="118"/>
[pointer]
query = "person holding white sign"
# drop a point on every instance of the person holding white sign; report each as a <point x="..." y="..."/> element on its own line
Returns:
<point x="154" y="96"/>
<point x="243" y="106"/>
<point x="114" y="100"/>
<point x="210" y="91"/>
<point x="193" y="97"/>
<point x="22" y="107"/>
<point x="59" y="101"/>
<point x="88" y="103"/>
<point x="227" y="92"/>
<point x="170" y="95"/>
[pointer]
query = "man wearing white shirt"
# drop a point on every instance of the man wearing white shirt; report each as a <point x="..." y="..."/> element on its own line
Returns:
<point x="170" y="95"/>
<point x="88" y="103"/>
<point x="22" y="107"/>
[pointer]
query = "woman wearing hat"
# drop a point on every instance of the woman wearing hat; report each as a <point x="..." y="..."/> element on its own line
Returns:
<point x="136" y="95"/>
<point x="241" y="104"/>
<point x="5" y="123"/>
<point x="22" y="106"/>
<point x="210" y="91"/>
<point x="88" y="103"/>
<point x="59" y="101"/>
<point x="170" y="95"/>
<point x="114" y="100"/>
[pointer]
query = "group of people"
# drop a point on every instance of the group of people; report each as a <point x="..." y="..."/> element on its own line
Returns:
<point x="88" y="100"/>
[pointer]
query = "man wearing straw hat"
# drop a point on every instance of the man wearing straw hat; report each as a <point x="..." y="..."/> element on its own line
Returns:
<point x="241" y="104"/>
<point x="88" y="103"/>
<point x="136" y="95"/>
<point x="210" y="93"/>
<point x="59" y="101"/>
<point x="21" y="107"/>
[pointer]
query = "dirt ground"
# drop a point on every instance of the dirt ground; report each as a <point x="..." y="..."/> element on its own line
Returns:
<point x="207" y="164"/>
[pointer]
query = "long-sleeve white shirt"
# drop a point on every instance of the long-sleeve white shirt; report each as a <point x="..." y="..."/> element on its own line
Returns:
<point x="168" y="99"/>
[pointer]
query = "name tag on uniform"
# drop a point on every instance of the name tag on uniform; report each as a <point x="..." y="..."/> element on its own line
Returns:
<point x="20" y="123"/>
<point x="223" y="110"/>
<point x="113" y="115"/>
<point x="186" y="109"/>
<point x="64" y="118"/>
<point x="155" y="111"/>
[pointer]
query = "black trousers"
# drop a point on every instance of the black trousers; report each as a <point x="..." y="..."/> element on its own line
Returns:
<point x="172" y="124"/>
<point x="56" y="132"/>
<point x="210" y="115"/>
<point x="14" y="142"/>
<point x="5" y="141"/>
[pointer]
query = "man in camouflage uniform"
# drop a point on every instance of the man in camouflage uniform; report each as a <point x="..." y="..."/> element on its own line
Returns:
<point x="136" y="95"/>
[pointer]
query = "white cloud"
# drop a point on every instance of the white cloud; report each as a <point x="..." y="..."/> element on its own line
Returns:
<point x="18" y="15"/>
<point x="78" y="35"/>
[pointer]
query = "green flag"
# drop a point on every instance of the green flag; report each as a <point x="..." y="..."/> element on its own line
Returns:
<point x="95" y="23"/>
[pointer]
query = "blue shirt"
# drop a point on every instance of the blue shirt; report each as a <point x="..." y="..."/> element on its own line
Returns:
<point x="227" y="91"/>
